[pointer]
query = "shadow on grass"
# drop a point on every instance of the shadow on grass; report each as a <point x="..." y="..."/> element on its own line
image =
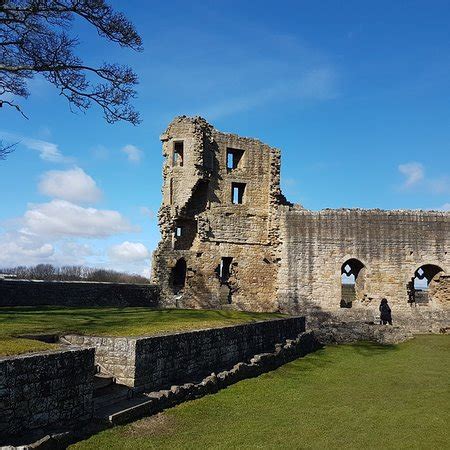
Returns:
<point x="370" y="349"/>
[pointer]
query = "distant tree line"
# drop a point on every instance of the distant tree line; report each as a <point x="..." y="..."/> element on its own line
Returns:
<point x="71" y="273"/>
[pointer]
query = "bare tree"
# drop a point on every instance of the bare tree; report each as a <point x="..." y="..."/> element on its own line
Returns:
<point x="6" y="149"/>
<point x="34" y="40"/>
<point x="72" y="273"/>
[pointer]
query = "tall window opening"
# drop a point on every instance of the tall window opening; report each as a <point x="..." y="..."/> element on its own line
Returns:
<point x="179" y="275"/>
<point x="420" y="283"/>
<point x="237" y="193"/>
<point x="352" y="281"/>
<point x="234" y="157"/>
<point x="225" y="269"/>
<point x="178" y="153"/>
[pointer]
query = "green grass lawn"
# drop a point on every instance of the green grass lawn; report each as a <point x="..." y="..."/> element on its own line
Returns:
<point x="106" y="322"/>
<point x="354" y="397"/>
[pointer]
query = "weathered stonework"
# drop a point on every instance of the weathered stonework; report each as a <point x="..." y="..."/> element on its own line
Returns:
<point x="197" y="197"/>
<point x="262" y="253"/>
<point x="45" y="390"/>
<point x="154" y="362"/>
<point x="76" y="293"/>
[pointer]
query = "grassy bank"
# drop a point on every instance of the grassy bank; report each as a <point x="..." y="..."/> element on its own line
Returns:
<point x="106" y="322"/>
<point x="354" y="397"/>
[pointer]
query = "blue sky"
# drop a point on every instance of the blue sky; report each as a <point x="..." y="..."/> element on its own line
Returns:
<point x="355" y="94"/>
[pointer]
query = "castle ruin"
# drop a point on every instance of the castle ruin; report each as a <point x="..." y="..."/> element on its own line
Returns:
<point x="230" y="239"/>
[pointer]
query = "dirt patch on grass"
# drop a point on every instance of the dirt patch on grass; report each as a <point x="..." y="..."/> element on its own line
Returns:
<point x="156" y="425"/>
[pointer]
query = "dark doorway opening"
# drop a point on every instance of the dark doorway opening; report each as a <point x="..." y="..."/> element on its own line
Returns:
<point x="179" y="275"/>
<point x="225" y="269"/>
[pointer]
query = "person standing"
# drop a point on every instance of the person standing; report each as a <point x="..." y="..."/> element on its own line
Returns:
<point x="385" y="312"/>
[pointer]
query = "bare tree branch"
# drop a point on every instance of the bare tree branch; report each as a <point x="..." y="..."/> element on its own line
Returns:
<point x="6" y="149"/>
<point x="13" y="105"/>
<point x="34" y="40"/>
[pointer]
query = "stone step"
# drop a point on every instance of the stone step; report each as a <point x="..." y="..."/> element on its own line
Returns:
<point x="125" y="410"/>
<point x="111" y="394"/>
<point x="102" y="380"/>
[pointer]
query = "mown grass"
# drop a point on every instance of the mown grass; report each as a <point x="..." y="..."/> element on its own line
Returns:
<point x="361" y="396"/>
<point x="106" y="322"/>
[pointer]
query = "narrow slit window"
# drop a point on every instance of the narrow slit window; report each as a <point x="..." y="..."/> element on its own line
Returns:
<point x="178" y="153"/>
<point x="237" y="193"/>
<point x="225" y="268"/>
<point x="178" y="231"/>
<point x="234" y="157"/>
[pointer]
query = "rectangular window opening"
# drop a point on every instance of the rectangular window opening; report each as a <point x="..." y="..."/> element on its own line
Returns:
<point x="237" y="193"/>
<point x="234" y="157"/>
<point x="178" y="150"/>
<point x="178" y="231"/>
<point x="225" y="268"/>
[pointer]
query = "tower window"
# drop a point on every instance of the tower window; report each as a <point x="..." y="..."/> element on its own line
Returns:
<point x="178" y="151"/>
<point x="234" y="157"/>
<point x="178" y="231"/>
<point x="237" y="193"/>
<point x="225" y="268"/>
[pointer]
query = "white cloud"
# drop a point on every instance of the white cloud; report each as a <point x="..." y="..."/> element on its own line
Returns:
<point x="414" y="173"/>
<point x="134" y="154"/>
<point x="100" y="152"/>
<point x="415" y="177"/>
<point x="445" y="207"/>
<point x="48" y="151"/>
<point x="21" y="248"/>
<point x="129" y="252"/>
<point x="74" y="185"/>
<point x="60" y="218"/>
<point x="146" y="211"/>
<point x="316" y="84"/>
<point x="440" y="185"/>
<point x="75" y="249"/>
<point x="53" y="232"/>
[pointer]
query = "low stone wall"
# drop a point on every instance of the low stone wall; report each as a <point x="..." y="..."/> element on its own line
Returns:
<point x="149" y="363"/>
<point x="351" y="332"/>
<point x="417" y="319"/>
<point x="303" y="344"/>
<point x="114" y="355"/>
<point x="44" y="390"/>
<point x="76" y="293"/>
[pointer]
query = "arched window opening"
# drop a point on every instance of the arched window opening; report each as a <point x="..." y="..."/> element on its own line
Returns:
<point x="352" y="281"/>
<point x="419" y="284"/>
<point x="179" y="275"/>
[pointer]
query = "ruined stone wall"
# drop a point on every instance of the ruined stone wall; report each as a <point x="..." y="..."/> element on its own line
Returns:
<point x="283" y="256"/>
<point x="51" y="389"/>
<point x="114" y="355"/>
<point x="197" y="197"/>
<point x="439" y="291"/>
<point x="74" y="293"/>
<point x="159" y="361"/>
<point x="391" y="245"/>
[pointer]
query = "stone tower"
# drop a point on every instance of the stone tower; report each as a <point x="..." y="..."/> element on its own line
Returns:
<point x="218" y="219"/>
